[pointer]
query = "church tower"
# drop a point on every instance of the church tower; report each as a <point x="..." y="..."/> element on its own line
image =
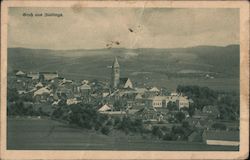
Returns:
<point x="115" y="76"/>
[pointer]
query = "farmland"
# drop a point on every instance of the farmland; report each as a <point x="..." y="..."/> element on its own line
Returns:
<point x="44" y="134"/>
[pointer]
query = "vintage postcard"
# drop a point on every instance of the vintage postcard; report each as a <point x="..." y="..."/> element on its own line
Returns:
<point x="124" y="79"/>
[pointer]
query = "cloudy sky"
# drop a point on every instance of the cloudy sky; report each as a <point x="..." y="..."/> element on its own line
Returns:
<point x="91" y="28"/>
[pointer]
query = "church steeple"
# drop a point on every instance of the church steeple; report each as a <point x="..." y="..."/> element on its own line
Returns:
<point x="115" y="76"/>
<point x="116" y="64"/>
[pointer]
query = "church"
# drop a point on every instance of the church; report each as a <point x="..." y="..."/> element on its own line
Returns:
<point x="116" y="81"/>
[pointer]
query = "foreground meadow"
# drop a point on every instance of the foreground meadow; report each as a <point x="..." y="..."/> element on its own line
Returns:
<point x="45" y="134"/>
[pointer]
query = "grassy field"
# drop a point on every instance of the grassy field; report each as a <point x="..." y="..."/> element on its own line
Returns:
<point x="45" y="134"/>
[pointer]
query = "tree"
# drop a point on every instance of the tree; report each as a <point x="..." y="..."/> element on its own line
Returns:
<point x="105" y="130"/>
<point x="180" y="116"/>
<point x="12" y="95"/>
<point x="219" y="126"/>
<point x="172" y="106"/>
<point x="156" y="131"/>
<point x="185" y="124"/>
<point x="191" y="110"/>
<point x="118" y="105"/>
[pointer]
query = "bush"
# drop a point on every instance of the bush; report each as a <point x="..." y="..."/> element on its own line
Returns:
<point x="180" y="116"/>
<point x="117" y="121"/>
<point x="219" y="126"/>
<point x="156" y="131"/>
<point x="105" y="130"/>
<point x="167" y="137"/>
<point x="109" y="123"/>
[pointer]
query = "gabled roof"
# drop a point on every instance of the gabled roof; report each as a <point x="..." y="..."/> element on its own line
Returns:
<point x="154" y="89"/>
<point x="138" y="96"/>
<point x="39" y="84"/>
<point x="123" y="81"/>
<point x="85" y="87"/>
<point x="20" y="73"/>
<point x="141" y="90"/>
<point x="104" y="108"/>
<point x="41" y="91"/>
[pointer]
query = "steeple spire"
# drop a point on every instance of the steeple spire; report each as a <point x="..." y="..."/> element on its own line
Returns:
<point x="116" y="64"/>
<point x="115" y="76"/>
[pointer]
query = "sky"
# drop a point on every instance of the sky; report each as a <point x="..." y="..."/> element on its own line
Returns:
<point x="94" y="28"/>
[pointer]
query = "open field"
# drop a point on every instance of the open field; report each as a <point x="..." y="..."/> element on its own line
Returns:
<point x="44" y="134"/>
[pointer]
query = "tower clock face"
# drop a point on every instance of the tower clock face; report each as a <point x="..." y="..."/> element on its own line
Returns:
<point x="116" y="71"/>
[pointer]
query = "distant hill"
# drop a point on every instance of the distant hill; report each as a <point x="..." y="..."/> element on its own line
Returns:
<point x="94" y="64"/>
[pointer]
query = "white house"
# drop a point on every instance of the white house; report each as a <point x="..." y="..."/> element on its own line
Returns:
<point x="42" y="94"/>
<point x="156" y="101"/>
<point x="71" y="101"/>
<point x="222" y="138"/>
<point x="182" y="102"/>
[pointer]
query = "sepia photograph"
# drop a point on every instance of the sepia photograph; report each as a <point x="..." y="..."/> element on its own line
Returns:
<point x="124" y="76"/>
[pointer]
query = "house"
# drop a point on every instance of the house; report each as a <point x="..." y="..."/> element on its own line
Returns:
<point x="40" y="91"/>
<point x="182" y="102"/>
<point x="85" y="82"/>
<point x="21" y="92"/>
<point x="154" y="89"/>
<point x="33" y="75"/>
<point x="141" y="90"/>
<point x="66" y="81"/>
<point x="42" y="94"/>
<point x="85" y="87"/>
<point x="171" y="99"/>
<point x="105" y="94"/>
<point x="39" y="85"/>
<point x="20" y="73"/>
<point x="138" y="96"/>
<point x="48" y="75"/>
<point x="125" y="83"/>
<point x="174" y="94"/>
<point x="104" y="108"/>
<point x="71" y="101"/>
<point x="75" y="86"/>
<point x="151" y="92"/>
<point x="224" y="138"/>
<point x="156" y="101"/>
<point x="85" y="92"/>
<point x="64" y="93"/>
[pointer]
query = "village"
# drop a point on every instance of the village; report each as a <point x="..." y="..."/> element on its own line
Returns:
<point x="164" y="111"/>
